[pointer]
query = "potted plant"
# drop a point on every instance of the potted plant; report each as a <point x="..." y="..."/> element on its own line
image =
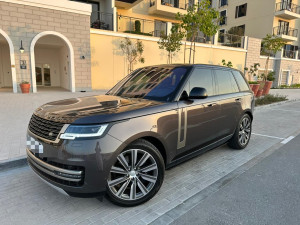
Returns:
<point x="253" y="72"/>
<point x="25" y="86"/>
<point x="268" y="83"/>
<point x="254" y="86"/>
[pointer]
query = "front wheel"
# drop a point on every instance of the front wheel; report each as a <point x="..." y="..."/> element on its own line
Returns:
<point x="137" y="174"/>
<point x="242" y="134"/>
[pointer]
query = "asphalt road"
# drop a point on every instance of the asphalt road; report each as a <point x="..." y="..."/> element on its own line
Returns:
<point x="267" y="193"/>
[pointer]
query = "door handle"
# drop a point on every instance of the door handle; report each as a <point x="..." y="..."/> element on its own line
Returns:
<point x="238" y="100"/>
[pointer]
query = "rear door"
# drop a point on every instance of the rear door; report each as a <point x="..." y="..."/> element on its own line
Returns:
<point x="198" y="119"/>
<point x="230" y="101"/>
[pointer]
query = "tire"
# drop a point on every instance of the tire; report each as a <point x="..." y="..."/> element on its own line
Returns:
<point x="242" y="134"/>
<point x="129" y="185"/>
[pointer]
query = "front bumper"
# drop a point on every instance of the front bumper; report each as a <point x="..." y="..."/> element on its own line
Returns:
<point x="78" y="167"/>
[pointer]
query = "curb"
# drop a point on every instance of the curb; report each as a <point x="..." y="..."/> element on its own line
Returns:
<point x="12" y="164"/>
<point x="275" y="104"/>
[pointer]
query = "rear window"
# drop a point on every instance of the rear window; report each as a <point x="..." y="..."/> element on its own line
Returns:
<point x="240" y="80"/>
<point x="225" y="82"/>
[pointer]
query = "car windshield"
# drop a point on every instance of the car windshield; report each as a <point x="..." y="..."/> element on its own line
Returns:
<point x="155" y="83"/>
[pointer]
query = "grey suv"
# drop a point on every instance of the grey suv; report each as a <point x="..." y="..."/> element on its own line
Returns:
<point x="156" y="117"/>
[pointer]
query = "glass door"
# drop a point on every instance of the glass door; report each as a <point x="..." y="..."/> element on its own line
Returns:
<point x="43" y="75"/>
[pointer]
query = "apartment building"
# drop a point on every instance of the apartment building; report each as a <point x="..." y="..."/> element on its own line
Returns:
<point x="257" y="18"/>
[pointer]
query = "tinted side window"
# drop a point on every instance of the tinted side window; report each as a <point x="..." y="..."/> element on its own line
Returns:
<point x="202" y="78"/>
<point x="225" y="82"/>
<point x="241" y="81"/>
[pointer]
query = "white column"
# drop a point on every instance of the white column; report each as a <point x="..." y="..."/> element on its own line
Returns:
<point x="215" y="38"/>
<point x="169" y="28"/>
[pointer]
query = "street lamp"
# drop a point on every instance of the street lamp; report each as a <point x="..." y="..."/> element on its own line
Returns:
<point x="22" y="49"/>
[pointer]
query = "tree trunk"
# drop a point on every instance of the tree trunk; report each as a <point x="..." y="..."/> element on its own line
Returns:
<point x="191" y="47"/>
<point x="266" y="68"/>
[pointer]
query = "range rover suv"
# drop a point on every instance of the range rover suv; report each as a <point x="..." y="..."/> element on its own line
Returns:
<point x="121" y="143"/>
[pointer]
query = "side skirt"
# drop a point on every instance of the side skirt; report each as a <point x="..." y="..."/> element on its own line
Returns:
<point x="199" y="152"/>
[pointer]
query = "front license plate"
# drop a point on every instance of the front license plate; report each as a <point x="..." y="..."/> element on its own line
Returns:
<point x="34" y="146"/>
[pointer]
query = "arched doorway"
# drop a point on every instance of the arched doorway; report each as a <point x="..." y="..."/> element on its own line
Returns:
<point x="7" y="64"/>
<point x="52" y="62"/>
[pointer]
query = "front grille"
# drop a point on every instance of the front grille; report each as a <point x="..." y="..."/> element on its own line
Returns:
<point x="43" y="128"/>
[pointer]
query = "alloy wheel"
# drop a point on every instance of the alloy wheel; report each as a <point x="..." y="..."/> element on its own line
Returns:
<point x="244" y="131"/>
<point x="133" y="175"/>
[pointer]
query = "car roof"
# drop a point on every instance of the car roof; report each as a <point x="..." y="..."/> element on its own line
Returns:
<point x="192" y="65"/>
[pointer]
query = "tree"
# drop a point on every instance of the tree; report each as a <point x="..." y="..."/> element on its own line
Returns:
<point x="253" y="72"/>
<point x="201" y="17"/>
<point x="133" y="52"/>
<point x="271" y="44"/>
<point x="171" y="43"/>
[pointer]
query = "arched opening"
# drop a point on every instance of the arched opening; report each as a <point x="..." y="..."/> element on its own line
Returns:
<point x="52" y="62"/>
<point x="7" y="64"/>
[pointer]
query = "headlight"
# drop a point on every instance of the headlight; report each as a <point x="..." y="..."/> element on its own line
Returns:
<point x="76" y="131"/>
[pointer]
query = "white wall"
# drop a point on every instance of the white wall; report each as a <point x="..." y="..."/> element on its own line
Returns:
<point x="5" y="66"/>
<point x="52" y="57"/>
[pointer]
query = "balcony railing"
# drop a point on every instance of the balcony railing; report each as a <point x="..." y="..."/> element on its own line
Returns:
<point x="101" y="20"/>
<point x="223" y="21"/>
<point x="290" y="54"/>
<point x="180" y="4"/>
<point x="282" y="30"/>
<point x="285" y="5"/>
<point x="140" y="26"/>
<point x="230" y="40"/>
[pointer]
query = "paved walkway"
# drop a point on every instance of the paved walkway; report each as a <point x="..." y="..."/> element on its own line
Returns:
<point x="25" y="199"/>
<point x="292" y="94"/>
<point x="15" y="113"/>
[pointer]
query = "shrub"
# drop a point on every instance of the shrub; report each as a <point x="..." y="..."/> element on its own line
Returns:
<point x="137" y="26"/>
<point x="269" y="99"/>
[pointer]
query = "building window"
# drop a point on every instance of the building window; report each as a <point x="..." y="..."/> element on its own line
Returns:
<point x="222" y="36"/>
<point x="241" y="11"/>
<point x="223" y="17"/>
<point x="223" y="3"/>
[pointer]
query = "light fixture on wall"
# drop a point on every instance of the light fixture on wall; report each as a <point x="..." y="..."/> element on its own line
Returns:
<point x="22" y="49"/>
<point x="82" y="57"/>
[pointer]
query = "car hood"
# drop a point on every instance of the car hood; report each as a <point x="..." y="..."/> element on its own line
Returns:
<point x="97" y="109"/>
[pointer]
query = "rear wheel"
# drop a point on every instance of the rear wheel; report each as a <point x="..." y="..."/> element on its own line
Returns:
<point x="242" y="133"/>
<point x="137" y="174"/>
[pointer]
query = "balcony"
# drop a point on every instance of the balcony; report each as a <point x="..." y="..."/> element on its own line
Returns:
<point x="286" y="33"/>
<point x="290" y="54"/>
<point x="231" y="40"/>
<point x="126" y="4"/>
<point x="168" y="7"/>
<point x="139" y="26"/>
<point x="287" y="11"/>
<point x="101" y="20"/>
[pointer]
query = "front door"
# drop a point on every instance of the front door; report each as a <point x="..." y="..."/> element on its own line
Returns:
<point x="43" y="75"/>
<point x="198" y="119"/>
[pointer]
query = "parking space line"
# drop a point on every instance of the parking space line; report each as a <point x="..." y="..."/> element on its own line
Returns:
<point x="268" y="136"/>
<point x="286" y="110"/>
<point x="287" y="140"/>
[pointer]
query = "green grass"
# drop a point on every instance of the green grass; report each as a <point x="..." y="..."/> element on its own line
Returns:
<point x="269" y="99"/>
<point x="290" y="86"/>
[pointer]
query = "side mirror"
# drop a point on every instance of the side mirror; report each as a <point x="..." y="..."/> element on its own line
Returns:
<point x="198" y="93"/>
